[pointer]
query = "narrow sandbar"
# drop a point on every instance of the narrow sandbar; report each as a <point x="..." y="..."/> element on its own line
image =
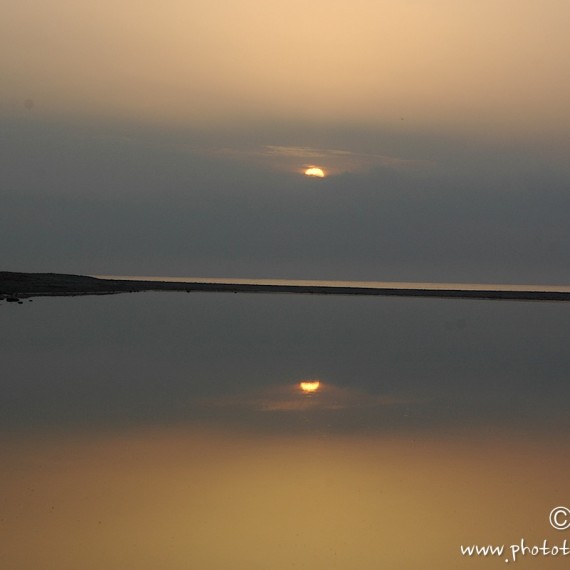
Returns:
<point x="15" y="286"/>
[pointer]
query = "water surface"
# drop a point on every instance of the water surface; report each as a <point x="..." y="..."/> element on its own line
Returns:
<point x="167" y="430"/>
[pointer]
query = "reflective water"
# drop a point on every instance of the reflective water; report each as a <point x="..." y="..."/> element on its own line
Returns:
<point x="167" y="430"/>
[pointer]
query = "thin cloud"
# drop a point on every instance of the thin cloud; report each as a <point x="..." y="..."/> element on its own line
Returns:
<point x="333" y="161"/>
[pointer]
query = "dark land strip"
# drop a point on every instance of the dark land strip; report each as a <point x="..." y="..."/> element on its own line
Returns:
<point x="17" y="286"/>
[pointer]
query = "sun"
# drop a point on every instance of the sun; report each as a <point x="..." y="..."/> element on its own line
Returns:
<point x="309" y="386"/>
<point x="315" y="172"/>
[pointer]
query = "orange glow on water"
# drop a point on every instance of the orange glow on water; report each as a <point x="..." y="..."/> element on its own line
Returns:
<point x="391" y="501"/>
<point x="310" y="386"/>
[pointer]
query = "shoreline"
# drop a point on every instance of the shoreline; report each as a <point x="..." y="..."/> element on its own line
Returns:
<point x="15" y="286"/>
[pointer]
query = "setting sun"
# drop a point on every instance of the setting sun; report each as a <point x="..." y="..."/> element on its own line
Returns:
<point x="310" y="387"/>
<point x="315" y="172"/>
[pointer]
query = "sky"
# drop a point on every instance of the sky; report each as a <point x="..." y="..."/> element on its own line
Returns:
<point x="172" y="140"/>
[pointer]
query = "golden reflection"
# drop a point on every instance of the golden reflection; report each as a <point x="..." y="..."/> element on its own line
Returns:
<point x="309" y="387"/>
<point x="218" y="499"/>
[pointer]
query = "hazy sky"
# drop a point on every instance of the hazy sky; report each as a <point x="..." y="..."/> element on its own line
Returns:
<point x="171" y="139"/>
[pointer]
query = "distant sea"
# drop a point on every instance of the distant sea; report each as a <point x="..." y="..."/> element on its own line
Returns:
<point x="348" y="284"/>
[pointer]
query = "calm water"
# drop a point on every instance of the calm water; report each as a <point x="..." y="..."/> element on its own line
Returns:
<point x="167" y="430"/>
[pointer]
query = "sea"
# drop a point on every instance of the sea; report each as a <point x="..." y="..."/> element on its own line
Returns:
<point x="167" y="430"/>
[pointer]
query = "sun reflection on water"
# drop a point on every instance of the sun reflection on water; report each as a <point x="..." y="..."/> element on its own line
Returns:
<point x="309" y="386"/>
